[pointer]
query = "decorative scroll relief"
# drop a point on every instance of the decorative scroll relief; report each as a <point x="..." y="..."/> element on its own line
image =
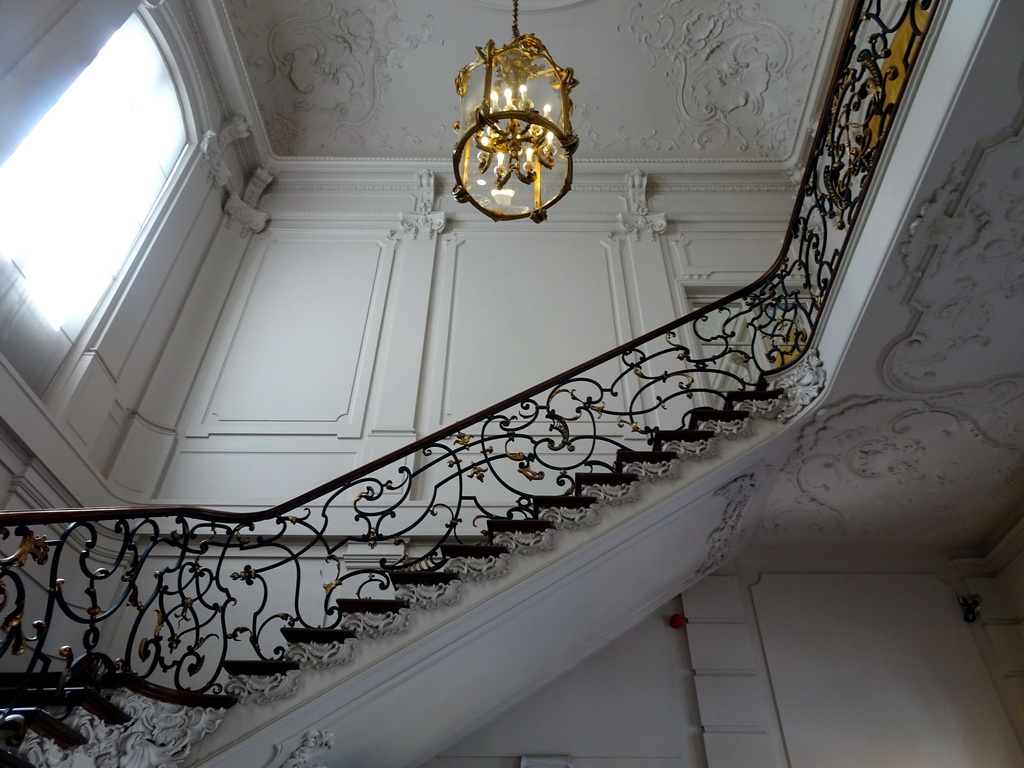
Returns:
<point x="900" y="471"/>
<point x="723" y="538"/>
<point x="478" y="568"/>
<point x="613" y="493"/>
<point x="802" y="383"/>
<point x="962" y="259"/>
<point x="763" y="409"/>
<point x="692" y="450"/>
<point x="740" y="78"/>
<point x="367" y="624"/>
<point x="571" y="518"/>
<point x="639" y="221"/>
<point x="424" y="218"/>
<point x="320" y="69"/>
<point x="313" y="743"/>
<point x="213" y="147"/>
<point x="429" y="595"/>
<point x="651" y="471"/>
<point x="526" y="542"/>
<point x="727" y="429"/>
<point x="160" y="735"/>
<point x="260" y="689"/>
<point x="321" y="655"/>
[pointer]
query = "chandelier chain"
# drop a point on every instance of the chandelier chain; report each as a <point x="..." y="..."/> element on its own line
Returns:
<point x="515" y="19"/>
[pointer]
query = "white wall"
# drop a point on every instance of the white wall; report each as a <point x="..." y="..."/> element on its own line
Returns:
<point x="787" y="670"/>
<point x="631" y="704"/>
<point x="345" y="335"/>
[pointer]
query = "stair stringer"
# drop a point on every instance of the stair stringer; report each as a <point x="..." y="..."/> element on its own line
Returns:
<point x="405" y="697"/>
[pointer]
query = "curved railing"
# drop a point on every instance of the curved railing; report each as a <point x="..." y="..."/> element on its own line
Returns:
<point x="182" y="589"/>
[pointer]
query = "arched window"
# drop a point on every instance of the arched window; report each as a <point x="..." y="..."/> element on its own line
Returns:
<point x="78" y="191"/>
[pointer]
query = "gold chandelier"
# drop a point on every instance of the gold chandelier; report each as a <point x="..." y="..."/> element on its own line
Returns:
<point x="513" y="158"/>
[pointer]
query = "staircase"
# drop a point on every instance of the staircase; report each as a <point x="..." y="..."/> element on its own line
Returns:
<point x="94" y="712"/>
<point x="204" y="638"/>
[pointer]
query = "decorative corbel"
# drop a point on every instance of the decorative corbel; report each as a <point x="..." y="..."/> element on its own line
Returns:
<point x="423" y="216"/>
<point x="639" y="221"/>
<point x="243" y="209"/>
<point x="214" y="147"/>
<point x="314" y="742"/>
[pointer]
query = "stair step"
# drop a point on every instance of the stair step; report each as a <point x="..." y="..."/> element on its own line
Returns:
<point x="472" y="550"/>
<point x="401" y="578"/>
<point x="649" y="466"/>
<point x="642" y="457"/>
<point x="747" y="395"/>
<point x="319" y="648"/>
<point x="567" y="512"/>
<point x="579" y="501"/>
<point x="426" y="589"/>
<point x="701" y="416"/>
<point x="136" y="684"/>
<point x="522" y="536"/>
<point x="586" y="479"/>
<point x="681" y="436"/>
<point x="475" y="562"/>
<point x="608" y="487"/>
<point x="366" y="605"/>
<point x="316" y="635"/>
<point x="45" y="724"/>
<point x="258" y="667"/>
<point x="91" y="700"/>
<point x="517" y="526"/>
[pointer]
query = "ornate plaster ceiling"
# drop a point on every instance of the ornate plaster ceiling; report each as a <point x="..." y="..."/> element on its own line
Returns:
<point x="697" y="81"/>
<point x="935" y="458"/>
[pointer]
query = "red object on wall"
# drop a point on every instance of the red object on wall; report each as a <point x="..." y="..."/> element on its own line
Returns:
<point x="676" y="621"/>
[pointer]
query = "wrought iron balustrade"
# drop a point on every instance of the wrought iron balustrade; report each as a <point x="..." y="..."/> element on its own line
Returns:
<point x="171" y="593"/>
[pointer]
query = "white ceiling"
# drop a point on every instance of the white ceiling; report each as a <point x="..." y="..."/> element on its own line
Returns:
<point x="695" y="82"/>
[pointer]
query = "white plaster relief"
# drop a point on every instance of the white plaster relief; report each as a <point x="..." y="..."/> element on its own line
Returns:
<point x="371" y="624"/>
<point x="260" y="689"/>
<point x="802" y="383"/>
<point x="613" y="493"/>
<point x="691" y="450"/>
<point x="213" y="147"/>
<point x="160" y="735"/>
<point x="319" y="70"/>
<point x="526" y="542"/>
<point x="424" y="218"/>
<point x="571" y="518"/>
<point x="652" y="471"/>
<point x="479" y="568"/>
<point x="895" y="470"/>
<point x="726" y="428"/>
<point x="738" y="76"/>
<point x="314" y="742"/>
<point x="964" y="260"/>
<point x="429" y="595"/>
<point x="723" y="538"/>
<point x="321" y="655"/>
<point x="762" y="409"/>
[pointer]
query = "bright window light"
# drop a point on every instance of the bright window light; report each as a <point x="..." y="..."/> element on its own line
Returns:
<point x="76" y="193"/>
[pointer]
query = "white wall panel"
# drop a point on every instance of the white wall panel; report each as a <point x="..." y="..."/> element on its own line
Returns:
<point x="261" y="479"/>
<point x="297" y="348"/>
<point x="512" y="312"/>
<point x="630" y="705"/>
<point x="879" y="669"/>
